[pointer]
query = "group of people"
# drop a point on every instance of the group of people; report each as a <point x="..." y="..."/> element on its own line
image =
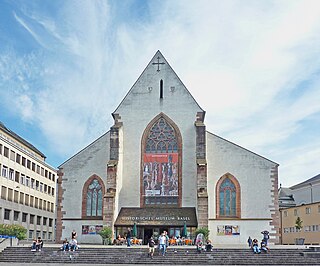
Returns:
<point x="71" y="245"/>
<point x="37" y="244"/>
<point x="254" y="243"/>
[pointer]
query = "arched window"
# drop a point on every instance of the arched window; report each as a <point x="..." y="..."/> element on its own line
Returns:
<point x="161" y="184"/>
<point x="228" y="197"/>
<point x="93" y="191"/>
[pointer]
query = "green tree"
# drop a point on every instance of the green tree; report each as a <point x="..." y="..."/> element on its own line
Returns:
<point x="298" y="224"/>
<point x="204" y="230"/>
<point x="106" y="234"/>
<point x="13" y="230"/>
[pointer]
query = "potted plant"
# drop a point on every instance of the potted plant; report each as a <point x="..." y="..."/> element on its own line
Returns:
<point x="299" y="226"/>
<point x="106" y="234"/>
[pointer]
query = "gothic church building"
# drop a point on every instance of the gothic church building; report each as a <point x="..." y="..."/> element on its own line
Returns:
<point x="158" y="168"/>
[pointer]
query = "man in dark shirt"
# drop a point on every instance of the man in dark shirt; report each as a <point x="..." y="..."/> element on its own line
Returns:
<point x="129" y="237"/>
<point x="151" y="244"/>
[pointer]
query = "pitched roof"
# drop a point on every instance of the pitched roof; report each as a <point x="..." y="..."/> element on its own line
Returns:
<point x="307" y="182"/>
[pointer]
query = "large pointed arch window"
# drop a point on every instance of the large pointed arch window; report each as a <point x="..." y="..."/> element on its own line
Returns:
<point x="93" y="198"/>
<point x="228" y="197"/>
<point x="160" y="175"/>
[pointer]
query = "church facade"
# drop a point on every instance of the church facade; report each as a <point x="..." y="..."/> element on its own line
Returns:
<point x="158" y="168"/>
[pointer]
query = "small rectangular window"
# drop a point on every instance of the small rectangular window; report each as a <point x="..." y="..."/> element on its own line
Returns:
<point x="22" y="179"/>
<point x="28" y="181"/>
<point x="33" y="167"/>
<point x="28" y="164"/>
<point x="44" y="220"/>
<point x="18" y="158"/>
<point x="36" y="202"/>
<point x="31" y="201"/>
<point x="295" y="212"/>
<point x="10" y="194"/>
<point x="308" y="210"/>
<point x="0" y="148"/>
<point x="23" y="161"/>
<point x="12" y="155"/>
<point x="16" y="196"/>
<point x="4" y="171"/>
<point x="6" y="152"/>
<point x="7" y="213"/>
<point x="31" y="219"/>
<point x="24" y="217"/>
<point x="40" y="204"/>
<point x="21" y="198"/>
<point x="17" y="177"/>
<point x="31" y="234"/>
<point x="285" y="213"/>
<point x="38" y="220"/>
<point x="50" y="222"/>
<point x="3" y="192"/>
<point x="16" y="216"/>
<point x="26" y="200"/>
<point x="11" y="174"/>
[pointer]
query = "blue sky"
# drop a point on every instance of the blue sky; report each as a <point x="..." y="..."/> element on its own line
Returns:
<point x="252" y="65"/>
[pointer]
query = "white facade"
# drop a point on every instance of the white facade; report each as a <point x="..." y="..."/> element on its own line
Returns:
<point x="28" y="187"/>
<point x="204" y="159"/>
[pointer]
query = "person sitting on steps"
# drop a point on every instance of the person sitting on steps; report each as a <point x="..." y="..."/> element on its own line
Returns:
<point x="255" y="246"/>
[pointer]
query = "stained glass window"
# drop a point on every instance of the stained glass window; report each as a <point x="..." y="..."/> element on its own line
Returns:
<point x="227" y="198"/>
<point x="162" y="138"/>
<point x="94" y="199"/>
<point x="160" y="165"/>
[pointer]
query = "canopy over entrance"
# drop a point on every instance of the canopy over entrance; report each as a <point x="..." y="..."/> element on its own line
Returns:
<point x="157" y="217"/>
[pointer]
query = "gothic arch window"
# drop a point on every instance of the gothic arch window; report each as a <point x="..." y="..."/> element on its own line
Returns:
<point x="228" y="197"/>
<point x="161" y="164"/>
<point x="92" y="198"/>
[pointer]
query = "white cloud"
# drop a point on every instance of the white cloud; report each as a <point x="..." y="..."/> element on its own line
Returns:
<point x="252" y="57"/>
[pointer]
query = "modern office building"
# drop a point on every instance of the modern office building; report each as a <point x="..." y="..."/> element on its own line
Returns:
<point x="28" y="186"/>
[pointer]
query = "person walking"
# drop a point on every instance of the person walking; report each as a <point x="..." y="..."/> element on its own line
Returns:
<point x="151" y="244"/>
<point x="249" y="242"/>
<point x="129" y="235"/>
<point x="162" y="244"/>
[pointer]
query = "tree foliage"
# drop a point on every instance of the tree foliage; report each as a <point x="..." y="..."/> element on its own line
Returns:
<point x="204" y="230"/>
<point x="13" y="230"/>
<point x="298" y="224"/>
<point x="106" y="234"/>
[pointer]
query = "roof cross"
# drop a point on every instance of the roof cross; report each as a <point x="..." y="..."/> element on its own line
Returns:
<point x="158" y="63"/>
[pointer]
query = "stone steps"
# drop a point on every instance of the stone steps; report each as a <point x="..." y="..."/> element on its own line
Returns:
<point x="182" y="256"/>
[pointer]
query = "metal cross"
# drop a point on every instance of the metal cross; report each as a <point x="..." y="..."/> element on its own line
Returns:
<point x="158" y="63"/>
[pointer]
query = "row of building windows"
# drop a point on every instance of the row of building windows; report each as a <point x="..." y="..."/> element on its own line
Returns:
<point x="308" y="228"/>
<point x="45" y="235"/>
<point x="16" y="157"/>
<point x="296" y="211"/>
<point x="26" y="199"/>
<point x="27" y="218"/>
<point x="24" y="180"/>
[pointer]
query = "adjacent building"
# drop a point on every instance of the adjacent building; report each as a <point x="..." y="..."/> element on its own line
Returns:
<point x="159" y="169"/>
<point x="28" y="186"/>
<point x="303" y="201"/>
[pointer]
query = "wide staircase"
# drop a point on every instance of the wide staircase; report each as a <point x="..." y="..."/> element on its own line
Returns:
<point x="178" y="256"/>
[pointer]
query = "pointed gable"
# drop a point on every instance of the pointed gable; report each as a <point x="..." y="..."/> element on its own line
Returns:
<point x="158" y="82"/>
